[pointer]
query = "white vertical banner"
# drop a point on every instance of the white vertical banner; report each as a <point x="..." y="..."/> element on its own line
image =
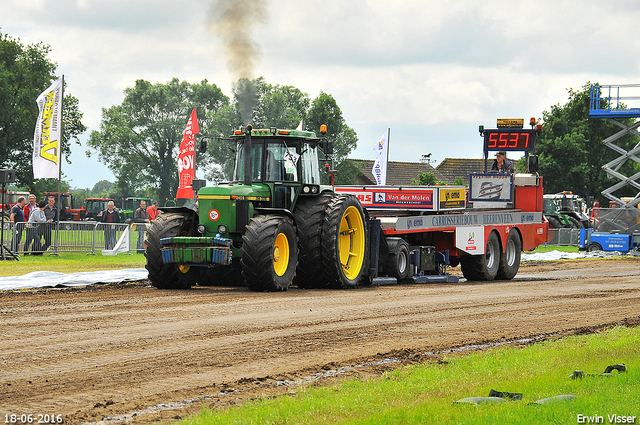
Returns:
<point x="379" y="170"/>
<point x="47" y="138"/>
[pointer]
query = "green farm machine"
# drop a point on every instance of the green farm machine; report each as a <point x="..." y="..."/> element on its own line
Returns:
<point x="264" y="227"/>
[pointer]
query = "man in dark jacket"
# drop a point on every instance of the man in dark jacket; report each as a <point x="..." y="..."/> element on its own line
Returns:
<point x="141" y="217"/>
<point x="51" y="214"/>
<point x="17" y="218"/>
<point x="502" y="164"/>
<point x="111" y="215"/>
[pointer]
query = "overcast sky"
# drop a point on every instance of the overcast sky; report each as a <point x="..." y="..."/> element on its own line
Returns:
<point x="432" y="71"/>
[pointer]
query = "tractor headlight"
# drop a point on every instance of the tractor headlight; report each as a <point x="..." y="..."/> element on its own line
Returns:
<point x="305" y="189"/>
<point x="222" y="229"/>
<point x="201" y="229"/>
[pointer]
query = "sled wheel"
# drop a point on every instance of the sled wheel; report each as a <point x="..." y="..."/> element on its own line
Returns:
<point x="398" y="262"/>
<point x="344" y="242"/>
<point x="309" y="215"/>
<point x="510" y="258"/>
<point x="269" y="253"/>
<point x="168" y="276"/>
<point x="483" y="267"/>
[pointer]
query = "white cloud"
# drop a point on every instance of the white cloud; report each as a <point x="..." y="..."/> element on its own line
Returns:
<point x="432" y="71"/>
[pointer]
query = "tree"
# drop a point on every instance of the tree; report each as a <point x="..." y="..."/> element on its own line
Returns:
<point x="139" y="139"/>
<point x="25" y="72"/>
<point x="325" y="110"/>
<point x="282" y="107"/>
<point x="425" y="179"/>
<point x="571" y="153"/>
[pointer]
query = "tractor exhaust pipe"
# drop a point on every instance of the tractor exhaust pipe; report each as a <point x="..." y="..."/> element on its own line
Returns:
<point x="247" y="155"/>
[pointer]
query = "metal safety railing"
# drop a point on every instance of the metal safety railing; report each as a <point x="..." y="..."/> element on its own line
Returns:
<point x="73" y="236"/>
<point x="564" y="237"/>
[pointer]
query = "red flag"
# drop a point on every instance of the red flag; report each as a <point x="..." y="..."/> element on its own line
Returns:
<point x="186" y="158"/>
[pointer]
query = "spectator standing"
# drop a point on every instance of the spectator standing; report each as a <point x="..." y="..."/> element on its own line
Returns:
<point x="110" y="217"/>
<point x="34" y="229"/>
<point x="153" y="211"/>
<point x="141" y="217"/>
<point x="51" y="214"/>
<point x="17" y="218"/>
<point x="31" y="206"/>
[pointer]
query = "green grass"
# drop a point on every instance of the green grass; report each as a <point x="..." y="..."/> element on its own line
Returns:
<point x="70" y="263"/>
<point x="549" y="248"/>
<point x="424" y="394"/>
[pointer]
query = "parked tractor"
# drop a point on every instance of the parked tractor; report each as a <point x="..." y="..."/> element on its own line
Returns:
<point x="68" y="212"/>
<point x="130" y="205"/>
<point x="95" y="207"/>
<point x="566" y="210"/>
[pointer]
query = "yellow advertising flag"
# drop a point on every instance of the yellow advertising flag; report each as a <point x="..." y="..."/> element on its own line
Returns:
<point x="47" y="138"/>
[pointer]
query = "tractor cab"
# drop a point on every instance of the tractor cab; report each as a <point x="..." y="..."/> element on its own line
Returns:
<point x="285" y="161"/>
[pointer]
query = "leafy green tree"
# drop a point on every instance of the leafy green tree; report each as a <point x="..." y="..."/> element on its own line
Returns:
<point x="571" y="153"/>
<point x="281" y="107"/>
<point x="25" y="72"/>
<point x="139" y="139"/>
<point x="425" y="179"/>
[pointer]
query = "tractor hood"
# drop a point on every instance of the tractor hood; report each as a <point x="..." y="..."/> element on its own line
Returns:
<point x="229" y="206"/>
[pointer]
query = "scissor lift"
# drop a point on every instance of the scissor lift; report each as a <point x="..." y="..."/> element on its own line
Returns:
<point x="607" y="102"/>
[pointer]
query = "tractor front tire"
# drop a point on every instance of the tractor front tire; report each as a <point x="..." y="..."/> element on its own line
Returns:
<point x="344" y="242"/>
<point x="161" y="275"/>
<point x="269" y="253"/>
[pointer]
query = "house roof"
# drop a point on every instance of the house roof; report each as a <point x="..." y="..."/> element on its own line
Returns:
<point x="454" y="168"/>
<point x="398" y="173"/>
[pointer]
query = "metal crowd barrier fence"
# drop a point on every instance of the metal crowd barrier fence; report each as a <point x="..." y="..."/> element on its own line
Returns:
<point x="564" y="237"/>
<point x="70" y="236"/>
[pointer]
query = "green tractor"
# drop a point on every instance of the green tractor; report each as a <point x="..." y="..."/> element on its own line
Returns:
<point x="566" y="210"/>
<point x="129" y="207"/>
<point x="272" y="226"/>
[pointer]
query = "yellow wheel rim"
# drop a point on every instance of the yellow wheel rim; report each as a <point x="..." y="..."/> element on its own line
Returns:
<point x="281" y="254"/>
<point x="184" y="269"/>
<point x="351" y="242"/>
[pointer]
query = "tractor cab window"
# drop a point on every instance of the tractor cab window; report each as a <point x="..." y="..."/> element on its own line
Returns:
<point x="281" y="163"/>
<point x="310" y="164"/>
<point x="256" y="163"/>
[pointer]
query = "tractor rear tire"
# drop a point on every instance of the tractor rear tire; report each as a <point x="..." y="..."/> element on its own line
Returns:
<point x="510" y="258"/>
<point x="309" y="215"/>
<point x="483" y="267"/>
<point x="575" y="223"/>
<point x="269" y="253"/>
<point x="555" y="222"/>
<point x="398" y="262"/>
<point x="344" y="242"/>
<point x="168" y="276"/>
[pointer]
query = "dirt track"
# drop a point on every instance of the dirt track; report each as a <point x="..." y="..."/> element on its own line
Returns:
<point x="100" y="352"/>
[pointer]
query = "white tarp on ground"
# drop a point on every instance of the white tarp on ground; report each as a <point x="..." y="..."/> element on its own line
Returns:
<point x="558" y="255"/>
<point x="46" y="279"/>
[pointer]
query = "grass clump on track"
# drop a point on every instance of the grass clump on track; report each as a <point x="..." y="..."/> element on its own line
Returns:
<point x="425" y="393"/>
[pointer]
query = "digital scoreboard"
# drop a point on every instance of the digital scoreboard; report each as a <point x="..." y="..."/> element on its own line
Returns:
<point x="509" y="139"/>
<point x="510" y="136"/>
